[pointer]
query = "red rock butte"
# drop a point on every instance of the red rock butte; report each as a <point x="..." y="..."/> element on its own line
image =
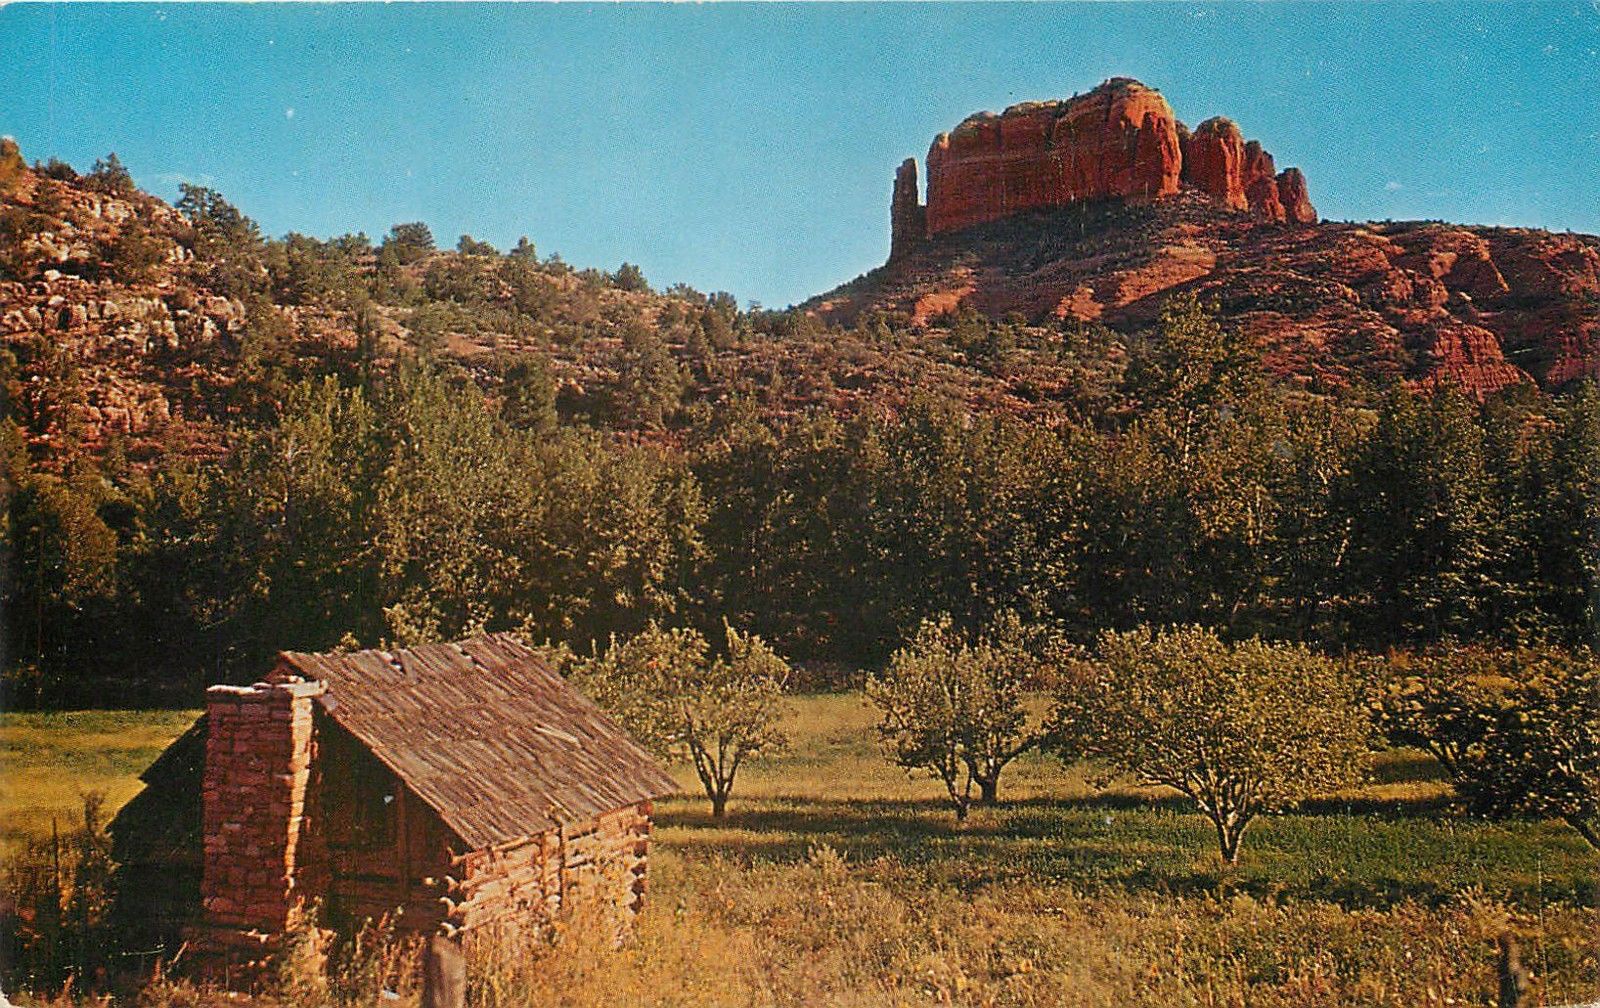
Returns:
<point x="1119" y="141"/>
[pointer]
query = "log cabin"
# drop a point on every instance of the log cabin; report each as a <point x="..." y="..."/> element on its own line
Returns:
<point x="447" y="788"/>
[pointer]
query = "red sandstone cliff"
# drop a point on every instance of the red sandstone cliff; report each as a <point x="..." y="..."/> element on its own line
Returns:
<point x="1330" y="304"/>
<point x="1120" y="141"/>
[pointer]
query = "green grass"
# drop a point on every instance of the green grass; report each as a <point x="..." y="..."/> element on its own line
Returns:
<point x="1394" y="839"/>
<point x="49" y="761"/>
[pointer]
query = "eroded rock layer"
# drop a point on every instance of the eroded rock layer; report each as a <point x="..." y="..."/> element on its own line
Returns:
<point x="1120" y="141"/>
<point x="1330" y="304"/>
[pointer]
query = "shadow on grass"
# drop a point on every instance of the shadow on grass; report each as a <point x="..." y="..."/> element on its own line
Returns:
<point x="1369" y="854"/>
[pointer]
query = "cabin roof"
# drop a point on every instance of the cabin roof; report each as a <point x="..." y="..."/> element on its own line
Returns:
<point x="486" y="734"/>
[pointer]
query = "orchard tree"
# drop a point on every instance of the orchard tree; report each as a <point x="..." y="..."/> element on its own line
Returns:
<point x="1518" y="730"/>
<point x="1543" y="753"/>
<point x="958" y="710"/>
<point x="666" y="689"/>
<point x="1444" y="701"/>
<point x="1240" y="729"/>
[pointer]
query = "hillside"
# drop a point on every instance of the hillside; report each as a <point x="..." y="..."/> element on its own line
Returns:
<point x="1330" y="304"/>
<point x="219" y="444"/>
<point x="140" y="327"/>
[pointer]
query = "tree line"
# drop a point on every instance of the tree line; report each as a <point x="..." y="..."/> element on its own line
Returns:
<point x="410" y="504"/>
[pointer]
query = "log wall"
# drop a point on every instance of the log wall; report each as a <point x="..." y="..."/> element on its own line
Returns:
<point x="602" y="862"/>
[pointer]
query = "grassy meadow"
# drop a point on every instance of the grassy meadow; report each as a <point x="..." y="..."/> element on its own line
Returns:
<point x="836" y="880"/>
<point x="50" y="760"/>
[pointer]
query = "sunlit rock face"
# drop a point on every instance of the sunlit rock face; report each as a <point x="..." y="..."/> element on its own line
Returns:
<point x="1120" y="141"/>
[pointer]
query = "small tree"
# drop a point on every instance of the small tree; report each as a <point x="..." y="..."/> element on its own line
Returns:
<point x="406" y="243"/>
<point x="630" y="278"/>
<point x="1542" y="755"/>
<point x="720" y="712"/>
<point x="110" y="176"/>
<point x="958" y="710"/>
<point x="1240" y="729"/>
<point x="468" y="245"/>
<point x="1518" y="731"/>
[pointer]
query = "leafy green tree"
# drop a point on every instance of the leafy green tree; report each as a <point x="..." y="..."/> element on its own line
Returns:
<point x="307" y="271"/>
<point x="524" y="251"/>
<point x="1189" y="359"/>
<point x="1240" y="729"/>
<point x="265" y="361"/>
<point x="650" y="382"/>
<point x="65" y="564"/>
<point x="1425" y="526"/>
<point x="529" y="395"/>
<point x="960" y="517"/>
<point x="227" y="244"/>
<point x="958" y="710"/>
<point x="665" y="688"/>
<point x="294" y="510"/>
<point x="783" y="532"/>
<point x="453" y="512"/>
<point x="1559" y="518"/>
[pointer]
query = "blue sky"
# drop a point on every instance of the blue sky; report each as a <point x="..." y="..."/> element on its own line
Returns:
<point x="751" y="148"/>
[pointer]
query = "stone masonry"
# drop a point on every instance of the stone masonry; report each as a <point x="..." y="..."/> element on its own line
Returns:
<point x="258" y="769"/>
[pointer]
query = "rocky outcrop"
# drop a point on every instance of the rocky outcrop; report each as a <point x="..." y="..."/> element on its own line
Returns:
<point x="1295" y="198"/>
<point x="1120" y="142"/>
<point x="1329" y="304"/>
<point x="1213" y="162"/>
<point x="908" y="220"/>
<point x="1242" y="176"/>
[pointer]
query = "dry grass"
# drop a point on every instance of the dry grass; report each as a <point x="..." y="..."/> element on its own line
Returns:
<point x="836" y="881"/>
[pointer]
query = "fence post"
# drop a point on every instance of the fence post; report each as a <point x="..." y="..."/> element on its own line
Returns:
<point x="444" y="974"/>
<point x="1513" y="978"/>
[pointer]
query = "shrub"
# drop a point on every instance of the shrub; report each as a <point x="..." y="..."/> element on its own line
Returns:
<point x="1240" y="729"/>
<point x="135" y="253"/>
<point x="54" y="925"/>
<point x="11" y="164"/>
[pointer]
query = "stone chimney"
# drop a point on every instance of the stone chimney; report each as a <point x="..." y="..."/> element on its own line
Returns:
<point x="908" y="219"/>
<point x="257" y="772"/>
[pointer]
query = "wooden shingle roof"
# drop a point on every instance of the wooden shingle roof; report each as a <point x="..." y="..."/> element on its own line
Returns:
<point x="492" y="739"/>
